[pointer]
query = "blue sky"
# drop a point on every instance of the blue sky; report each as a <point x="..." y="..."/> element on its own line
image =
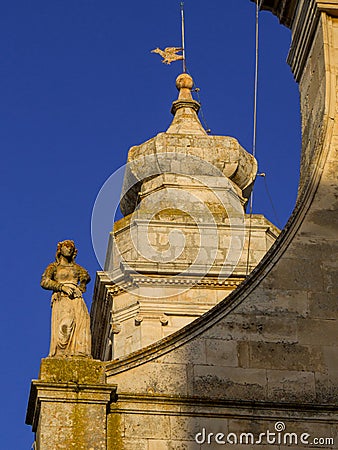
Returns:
<point x="79" y="87"/>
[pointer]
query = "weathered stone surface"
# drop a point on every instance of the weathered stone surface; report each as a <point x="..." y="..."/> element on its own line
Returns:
<point x="68" y="426"/>
<point x="291" y="386"/>
<point x="221" y="353"/>
<point x="74" y="370"/>
<point x="255" y="328"/>
<point x="156" y="378"/>
<point x="230" y="382"/>
<point x="315" y="332"/>
<point x="68" y="404"/>
<point x="280" y="355"/>
<point x="186" y="427"/>
<point x="292" y="276"/>
<point x="195" y="353"/>
<point x="140" y="426"/>
<point x="133" y="444"/>
<point x="277" y="302"/>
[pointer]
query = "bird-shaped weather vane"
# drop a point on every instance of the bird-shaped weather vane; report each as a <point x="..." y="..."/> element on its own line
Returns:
<point x="171" y="54"/>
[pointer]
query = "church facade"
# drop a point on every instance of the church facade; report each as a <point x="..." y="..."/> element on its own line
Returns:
<point x="182" y="359"/>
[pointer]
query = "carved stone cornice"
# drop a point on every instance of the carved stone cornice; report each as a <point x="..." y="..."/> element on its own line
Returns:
<point x="303" y="30"/>
<point x="283" y="9"/>
<point x="328" y="6"/>
<point x="193" y="104"/>
<point x="214" y="407"/>
<point x="142" y="280"/>
<point x="302" y="17"/>
<point x="69" y="392"/>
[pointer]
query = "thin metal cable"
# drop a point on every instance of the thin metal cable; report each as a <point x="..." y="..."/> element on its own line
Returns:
<point x="254" y="136"/>
<point x="197" y="91"/>
<point x="207" y="129"/>
<point x="271" y="202"/>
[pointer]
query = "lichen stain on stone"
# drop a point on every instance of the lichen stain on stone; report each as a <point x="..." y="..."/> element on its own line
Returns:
<point x="72" y="370"/>
<point x="114" y="432"/>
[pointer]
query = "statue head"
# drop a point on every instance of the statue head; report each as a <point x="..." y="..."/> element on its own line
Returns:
<point x="67" y="243"/>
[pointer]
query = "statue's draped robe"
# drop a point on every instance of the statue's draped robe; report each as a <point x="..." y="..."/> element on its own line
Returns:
<point x="70" y="330"/>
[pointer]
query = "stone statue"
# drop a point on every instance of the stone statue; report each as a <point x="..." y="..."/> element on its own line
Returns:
<point x="70" y="333"/>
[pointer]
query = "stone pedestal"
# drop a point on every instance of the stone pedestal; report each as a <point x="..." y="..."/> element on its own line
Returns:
<point x="68" y="404"/>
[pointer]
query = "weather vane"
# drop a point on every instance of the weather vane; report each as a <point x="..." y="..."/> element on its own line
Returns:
<point x="170" y="54"/>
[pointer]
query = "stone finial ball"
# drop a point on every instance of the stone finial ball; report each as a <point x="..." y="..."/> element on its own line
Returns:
<point x="184" y="81"/>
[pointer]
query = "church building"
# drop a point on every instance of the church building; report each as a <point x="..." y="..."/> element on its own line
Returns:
<point x="209" y="326"/>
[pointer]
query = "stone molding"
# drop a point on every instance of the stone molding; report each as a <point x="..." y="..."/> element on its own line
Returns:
<point x="185" y="104"/>
<point x="242" y="408"/>
<point x="43" y="391"/>
<point x="100" y="311"/>
<point x="115" y="289"/>
<point x="302" y="16"/>
<point x="328" y="6"/>
<point x="303" y="30"/>
<point x="283" y="9"/>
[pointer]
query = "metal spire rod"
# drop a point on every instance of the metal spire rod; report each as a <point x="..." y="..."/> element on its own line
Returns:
<point x="254" y="139"/>
<point x="183" y="40"/>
